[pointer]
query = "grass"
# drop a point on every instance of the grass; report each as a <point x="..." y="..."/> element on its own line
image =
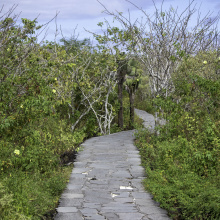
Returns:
<point x="32" y="195"/>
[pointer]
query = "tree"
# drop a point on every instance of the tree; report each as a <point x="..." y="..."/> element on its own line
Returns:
<point x="112" y="41"/>
<point x="163" y="40"/>
<point x="20" y="71"/>
<point x="132" y="83"/>
<point x="73" y="45"/>
<point x="85" y="84"/>
<point x="121" y="74"/>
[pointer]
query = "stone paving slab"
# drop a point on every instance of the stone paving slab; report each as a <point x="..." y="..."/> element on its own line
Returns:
<point x="106" y="182"/>
<point x="149" y="120"/>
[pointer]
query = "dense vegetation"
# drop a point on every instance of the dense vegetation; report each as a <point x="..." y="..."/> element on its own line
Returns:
<point x="54" y="95"/>
<point x="181" y="67"/>
<point x="182" y="157"/>
<point x="34" y="132"/>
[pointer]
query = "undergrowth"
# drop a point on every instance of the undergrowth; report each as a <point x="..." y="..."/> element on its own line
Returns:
<point x="182" y="157"/>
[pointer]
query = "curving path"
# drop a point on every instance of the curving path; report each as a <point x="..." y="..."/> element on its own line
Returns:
<point x="106" y="181"/>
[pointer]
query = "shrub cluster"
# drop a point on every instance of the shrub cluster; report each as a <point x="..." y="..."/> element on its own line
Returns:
<point x="52" y="97"/>
<point x="36" y="139"/>
<point x="182" y="157"/>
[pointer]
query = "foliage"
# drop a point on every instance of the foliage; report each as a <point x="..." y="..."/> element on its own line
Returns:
<point x="162" y="40"/>
<point x="182" y="162"/>
<point x="53" y="96"/>
<point x="45" y="89"/>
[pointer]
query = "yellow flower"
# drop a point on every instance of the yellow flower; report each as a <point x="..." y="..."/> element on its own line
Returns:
<point x="55" y="79"/>
<point x="205" y="62"/>
<point x="54" y="90"/>
<point x="17" y="152"/>
<point x="21" y="106"/>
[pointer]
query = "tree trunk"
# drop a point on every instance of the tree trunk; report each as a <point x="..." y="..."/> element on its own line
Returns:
<point x="131" y="97"/>
<point x="120" y="98"/>
<point x="121" y="79"/>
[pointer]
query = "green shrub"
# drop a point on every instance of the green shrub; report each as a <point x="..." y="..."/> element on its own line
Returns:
<point x="33" y="135"/>
<point x="182" y="157"/>
<point x="186" y="186"/>
<point x="34" y="195"/>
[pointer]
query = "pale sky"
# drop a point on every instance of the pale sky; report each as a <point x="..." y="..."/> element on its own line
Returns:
<point x="85" y="14"/>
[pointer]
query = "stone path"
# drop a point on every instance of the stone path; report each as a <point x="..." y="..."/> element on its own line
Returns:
<point x="148" y="119"/>
<point x="106" y="182"/>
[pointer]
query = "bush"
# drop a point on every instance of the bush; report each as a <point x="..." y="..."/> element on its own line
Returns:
<point x="182" y="158"/>
<point x="181" y="177"/>
<point x="33" y="132"/>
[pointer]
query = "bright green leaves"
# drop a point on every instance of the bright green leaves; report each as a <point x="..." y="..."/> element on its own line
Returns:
<point x="29" y="25"/>
<point x="133" y="74"/>
<point x="71" y="65"/>
<point x="100" y="24"/>
<point x="162" y="14"/>
<point x="22" y="88"/>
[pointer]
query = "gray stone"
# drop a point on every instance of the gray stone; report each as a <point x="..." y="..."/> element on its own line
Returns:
<point x="158" y="217"/>
<point x="67" y="209"/>
<point x="79" y="165"/>
<point x="94" y="217"/>
<point x="134" y="160"/>
<point x="137" y="183"/>
<point x="72" y="196"/>
<point x="77" y="181"/>
<point x="120" y="194"/>
<point x="124" y="200"/>
<point x="117" y="204"/>
<point x="111" y="216"/>
<point x="149" y="210"/>
<point x="130" y="216"/>
<point x="77" y="175"/>
<point x="92" y="205"/>
<point x="80" y="170"/>
<point x="121" y="174"/>
<point x="88" y="211"/>
<point x="141" y="195"/>
<point x="68" y="216"/>
<point x="74" y="187"/>
<point x="119" y="209"/>
<point x="106" y="181"/>
<point x="73" y="191"/>
<point x="146" y="202"/>
<point x="70" y="202"/>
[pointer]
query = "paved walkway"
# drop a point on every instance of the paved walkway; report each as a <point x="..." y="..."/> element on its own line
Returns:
<point x="148" y="119"/>
<point x="106" y="182"/>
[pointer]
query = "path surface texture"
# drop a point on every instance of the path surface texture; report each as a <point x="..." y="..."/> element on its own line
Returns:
<point x="106" y="182"/>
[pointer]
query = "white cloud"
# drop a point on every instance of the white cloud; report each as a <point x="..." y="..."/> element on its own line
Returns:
<point x="86" y="13"/>
<point x="75" y="9"/>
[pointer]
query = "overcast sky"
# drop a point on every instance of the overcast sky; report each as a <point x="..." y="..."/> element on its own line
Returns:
<point x="87" y="13"/>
